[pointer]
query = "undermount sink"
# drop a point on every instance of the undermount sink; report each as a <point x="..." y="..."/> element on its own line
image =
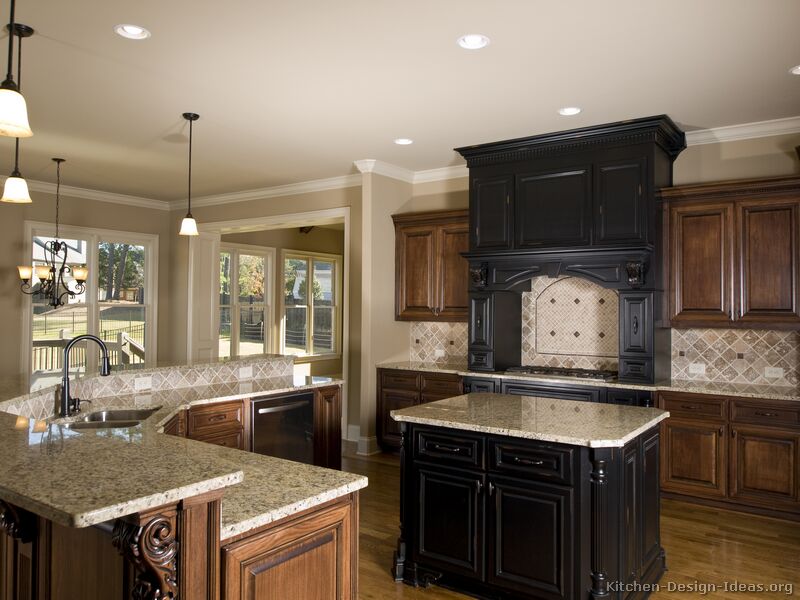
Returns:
<point x="101" y="424"/>
<point x="104" y="416"/>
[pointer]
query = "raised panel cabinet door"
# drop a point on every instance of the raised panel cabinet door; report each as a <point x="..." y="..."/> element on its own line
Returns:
<point x="328" y="428"/>
<point x="694" y="458"/>
<point x="553" y="209"/>
<point x="490" y="209"/>
<point x="480" y="320"/>
<point x="531" y="545"/>
<point x="389" y="434"/>
<point x="453" y="272"/>
<point x="415" y="279"/>
<point x="764" y="467"/>
<point x="769" y="261"/>
<point x="450" y="521"/>
<point x="636" y="322"/>
<point x="620" y="207"/>
<point x="701" y="264"/>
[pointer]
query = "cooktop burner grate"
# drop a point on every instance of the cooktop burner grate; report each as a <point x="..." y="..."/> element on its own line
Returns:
<point x="602" y="375"/>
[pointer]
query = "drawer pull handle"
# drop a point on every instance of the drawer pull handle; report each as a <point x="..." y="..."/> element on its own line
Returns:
<point x="491" y="489"/>
<point x="690" y="406"/>
<point x="215" y="418"/>
<point x="527" y="461"/>
<point x="766" y="414"/>
<point x="446" y="449"/>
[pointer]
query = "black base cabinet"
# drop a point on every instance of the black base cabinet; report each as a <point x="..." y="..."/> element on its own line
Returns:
<point x="508" y="518"/>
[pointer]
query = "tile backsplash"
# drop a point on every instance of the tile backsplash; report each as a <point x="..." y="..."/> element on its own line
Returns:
<point x="438" y="342"/>
<point x="756" y="356"/>
<point x="570" y="322"/>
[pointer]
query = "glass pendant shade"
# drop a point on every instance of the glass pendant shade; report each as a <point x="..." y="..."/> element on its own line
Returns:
<point x="16" y="191"/>
<point x="188" y="226"/>
<point x="13" y="114"/>
<point x="80" y="274"/>
<point x="25" y="272"/>
<point x="42" y="272"/>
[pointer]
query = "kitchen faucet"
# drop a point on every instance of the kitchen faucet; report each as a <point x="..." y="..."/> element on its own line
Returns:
<point x="70" y="405"/>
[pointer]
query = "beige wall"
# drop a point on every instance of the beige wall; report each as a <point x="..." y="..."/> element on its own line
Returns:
<point x="319" y="239"/>
<point x="82" y="213"/>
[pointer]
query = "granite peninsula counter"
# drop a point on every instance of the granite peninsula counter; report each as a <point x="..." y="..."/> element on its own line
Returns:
<point x="532" y="497"/>
<point x="60" y="487"/>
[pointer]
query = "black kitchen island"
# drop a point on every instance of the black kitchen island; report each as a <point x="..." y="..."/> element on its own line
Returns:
<point x="506" y="496"/>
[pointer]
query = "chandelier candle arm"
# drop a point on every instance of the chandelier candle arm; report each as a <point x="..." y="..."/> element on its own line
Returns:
<point x="189" y="225"/>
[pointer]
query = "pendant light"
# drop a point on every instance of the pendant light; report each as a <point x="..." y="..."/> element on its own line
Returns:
<point x="52" y="276"/>
<point x="13" y="109"/>
<point x="15" y="190"/>
<point x="189" y="225"/>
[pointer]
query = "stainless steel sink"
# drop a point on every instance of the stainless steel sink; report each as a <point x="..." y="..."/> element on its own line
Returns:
<point x="101" y="424"/>
<point x="104" y="416"/>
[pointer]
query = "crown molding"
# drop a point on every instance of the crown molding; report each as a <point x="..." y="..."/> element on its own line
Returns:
<point x="744" y="131"/>
<point x="99" y="196"/>
<point x="441" y="174"/>
<point x="379" y="167"/>
<point x="290" y="189"/>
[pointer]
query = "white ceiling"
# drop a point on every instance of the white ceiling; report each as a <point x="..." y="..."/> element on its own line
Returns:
<point x="295" y="91"/>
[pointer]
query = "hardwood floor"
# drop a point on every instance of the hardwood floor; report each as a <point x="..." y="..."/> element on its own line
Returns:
<point x="703" y="545"/>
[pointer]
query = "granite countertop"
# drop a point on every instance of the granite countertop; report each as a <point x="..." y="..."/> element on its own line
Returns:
<point x="741" y="390"/>
<point x="82" y="478"/>
<point x="546" y="419"/>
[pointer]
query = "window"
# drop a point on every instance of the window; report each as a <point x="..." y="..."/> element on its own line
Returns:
<point x="311" y="313"/>
<point x="245" y="313"/>
<point x="117" y="304"/>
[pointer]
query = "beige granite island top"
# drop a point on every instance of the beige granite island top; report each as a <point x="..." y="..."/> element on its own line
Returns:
<point x="561" y="421"/>
<point x="82" y="478"/>
<point x="740" y="390"/>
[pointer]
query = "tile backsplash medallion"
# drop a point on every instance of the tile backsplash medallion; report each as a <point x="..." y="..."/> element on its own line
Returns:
<point x="737" y="356"/>
<point x="438" y="342"/>
<point x="570" y="322"/>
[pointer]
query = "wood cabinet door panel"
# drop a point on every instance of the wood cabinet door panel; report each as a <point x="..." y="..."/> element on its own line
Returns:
<point x="214" y="418"/>
<point x="232" y="438"/>
<point x="480" y="321"/>
<point x="450" y="521"/>
<point x="636" y="314"/>
<point x="532" y="541"/>
<point x="328" y="428"/>
<point x="453" y="275"/>
<point x="769" y="263"/>
<point x="553" y="209"/>
<point x="694" y="458"/>
<point x="490" y="212"/>
<point x="701" y="263"/>
<point x="416" y="271"/>
<point x="764" y="466"/>
<point x="388" y="429"/>
<point x="621" y="215"/>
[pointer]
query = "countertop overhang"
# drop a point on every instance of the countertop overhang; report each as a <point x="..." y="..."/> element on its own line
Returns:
<point x="546" y="419"/>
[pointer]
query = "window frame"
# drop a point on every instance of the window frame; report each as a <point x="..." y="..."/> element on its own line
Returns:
<point x="268" y="253"/>
<point x="93" y="237"/>
<point x="337" y="306"/>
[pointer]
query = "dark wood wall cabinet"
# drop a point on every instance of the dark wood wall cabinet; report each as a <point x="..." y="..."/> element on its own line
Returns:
<point x="734" y="255"/>
<point x="503" y="517"/>
<point x="431" y="276"/>
<point x="398" y="388"/>
<point x="579" y="203"/>
<point x="741" y="453"/>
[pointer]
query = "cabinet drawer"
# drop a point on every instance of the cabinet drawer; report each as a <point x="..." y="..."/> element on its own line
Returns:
<point x="481" y="360"/>
<point x="635" y="370"/>
<point x="532" y="460"/>
<point x="403" y="380"/>
<point x="476" y="384"/>
<point x="215" y="417"/>
<point x="441" y="384"/>
<point x="693" y="406"/>
<point x="229" y="439"/>
<point x="763" y="413"/>
<point x="434" y="445"/>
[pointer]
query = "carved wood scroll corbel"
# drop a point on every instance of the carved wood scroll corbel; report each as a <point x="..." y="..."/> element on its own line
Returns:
<point x="150" y="545"/>
<point x="17" y="523"/>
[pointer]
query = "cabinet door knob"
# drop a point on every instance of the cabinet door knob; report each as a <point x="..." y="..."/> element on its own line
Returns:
<point x="733" y="432"/>
<point x="491" y="489"/>
<point x="479" y="486"/>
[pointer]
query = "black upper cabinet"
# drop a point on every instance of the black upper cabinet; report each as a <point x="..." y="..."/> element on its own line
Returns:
<point x="620" y="208"/>
<point x="553" y="208"/>
<point x="490" y="212"/>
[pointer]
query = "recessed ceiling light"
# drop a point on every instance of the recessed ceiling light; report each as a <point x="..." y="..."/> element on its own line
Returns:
<point x="795" y="70"/>
<point x="403" y="141"/>
<point x="132" y="32"/>
<point x="569" y="111"/>
<point x="473" y="41"/>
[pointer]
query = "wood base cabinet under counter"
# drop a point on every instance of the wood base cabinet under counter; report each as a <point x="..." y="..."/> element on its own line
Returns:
<point x="739" y="453"/>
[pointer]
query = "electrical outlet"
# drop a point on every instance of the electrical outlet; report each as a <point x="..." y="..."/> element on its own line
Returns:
<point x="697" y="369"/>
<point x="773" y="372"/>
<point x="246" y="372"/>
<point x="438" y="353"/>
<point x="141" y="384"/>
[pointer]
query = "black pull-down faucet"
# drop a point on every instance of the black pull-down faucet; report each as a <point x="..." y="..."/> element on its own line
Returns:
<point x="70" y="405"/>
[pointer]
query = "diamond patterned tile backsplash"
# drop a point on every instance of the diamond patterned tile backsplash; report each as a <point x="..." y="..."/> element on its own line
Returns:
<point x="449" y="339"/>
<point x="737" y="355"/>
<point x="570" y="322"/>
